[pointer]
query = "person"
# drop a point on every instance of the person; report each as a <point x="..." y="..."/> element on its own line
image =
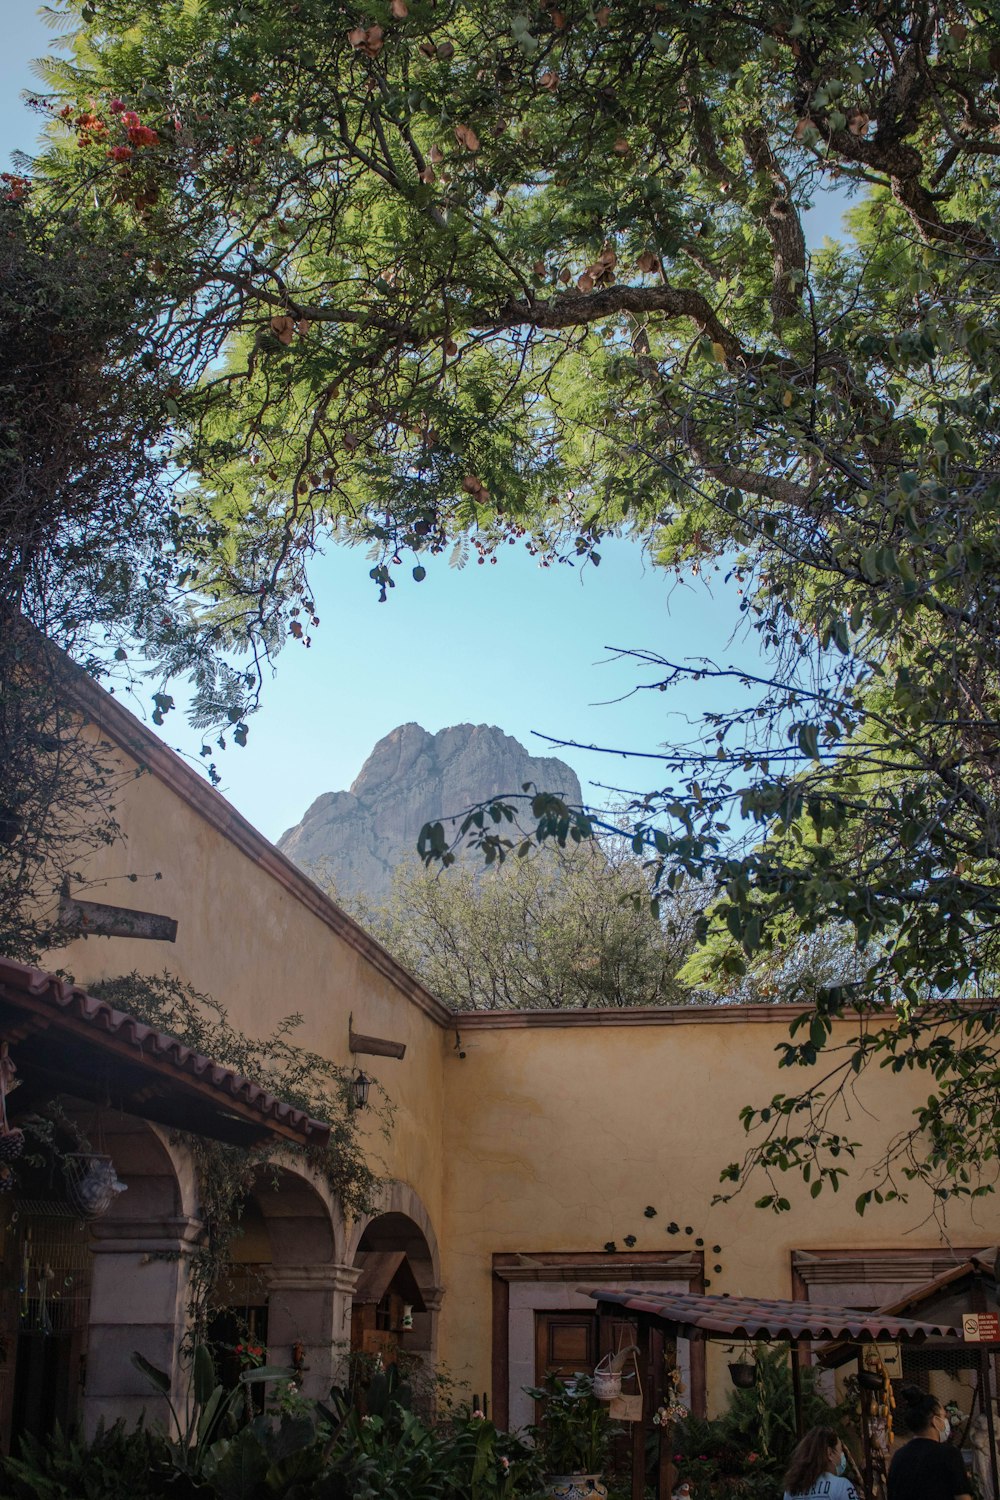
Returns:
<point x="818" y="1467"/>
<point x="927" y="1467"/>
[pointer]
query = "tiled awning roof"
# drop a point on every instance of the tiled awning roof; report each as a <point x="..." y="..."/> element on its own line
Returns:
<point x="385" y="1269"/>
<point x="761" y="1318"/>
<point x="977" y="1268"/>
<point x="66" y="1041"/>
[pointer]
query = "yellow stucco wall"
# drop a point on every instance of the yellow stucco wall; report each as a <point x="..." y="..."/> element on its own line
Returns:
<point x="253" y="945"/>
<point x="543" y="1137"/>
<point x="559" y="1137"/>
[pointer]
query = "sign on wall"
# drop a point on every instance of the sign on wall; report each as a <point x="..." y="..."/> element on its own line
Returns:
<point x="892" y="1359"/>
<point x="981" y="1328"/>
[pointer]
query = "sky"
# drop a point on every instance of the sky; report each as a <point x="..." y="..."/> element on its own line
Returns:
<point x="516" y="645"/>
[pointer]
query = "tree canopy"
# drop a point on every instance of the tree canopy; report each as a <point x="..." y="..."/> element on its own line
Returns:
<point x="449" y="275"/>
<point x="555" y="932"/>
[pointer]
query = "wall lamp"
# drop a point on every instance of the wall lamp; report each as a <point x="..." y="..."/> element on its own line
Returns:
<point x="360" y="1084"/>
<point x="375" y="1046"/>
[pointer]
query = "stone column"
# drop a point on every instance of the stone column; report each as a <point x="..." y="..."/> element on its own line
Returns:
<point x="138" y="1302"/>
<point x="422" y="1339"/>
<point x="311" y="1305"/>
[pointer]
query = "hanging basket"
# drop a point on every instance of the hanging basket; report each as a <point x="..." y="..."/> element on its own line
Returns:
<point x="92" y="1183"/>
<point x="743" y="1375"/>
<point x="607" y="1381"/>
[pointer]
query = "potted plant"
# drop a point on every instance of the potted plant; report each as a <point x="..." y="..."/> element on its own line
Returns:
<point x="571" y="1438"/>
<point x="743" y="1370"/>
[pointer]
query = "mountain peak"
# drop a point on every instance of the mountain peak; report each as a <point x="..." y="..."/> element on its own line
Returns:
<point x="410" y="778"/>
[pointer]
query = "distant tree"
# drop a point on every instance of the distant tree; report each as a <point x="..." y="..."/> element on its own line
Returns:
<point x="797" y="972"/>
<point x="555" y="932"/>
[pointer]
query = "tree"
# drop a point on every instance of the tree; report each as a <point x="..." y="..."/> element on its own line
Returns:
<point x="439" y="272"/>
<point x="76" y="567"/>
<point x="553" y="932"/>
<point x="97" y="545"/>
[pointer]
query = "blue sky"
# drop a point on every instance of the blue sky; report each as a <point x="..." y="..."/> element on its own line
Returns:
<point x="511" y="644"/>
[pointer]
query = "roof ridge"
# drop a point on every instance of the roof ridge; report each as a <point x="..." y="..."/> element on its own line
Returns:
<point x="121" y="726"/>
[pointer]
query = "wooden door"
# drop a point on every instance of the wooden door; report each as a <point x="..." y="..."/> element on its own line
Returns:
<point x="565" y="1344"/>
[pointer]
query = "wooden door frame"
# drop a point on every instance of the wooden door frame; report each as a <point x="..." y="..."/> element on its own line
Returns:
<point x="589" y="1269"/>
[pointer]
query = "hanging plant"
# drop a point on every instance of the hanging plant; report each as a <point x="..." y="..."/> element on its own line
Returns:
<point x="11" y="1140"/>
<point x="743" y="1374"/>
<point x="92" y="1183"/>
<point x="743" y="1371"/>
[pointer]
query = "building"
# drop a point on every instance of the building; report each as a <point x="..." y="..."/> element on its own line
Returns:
<point x="528" y="1153"/>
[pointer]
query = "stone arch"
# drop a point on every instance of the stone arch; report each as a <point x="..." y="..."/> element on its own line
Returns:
<point x="401" y="1223"/>
<point x="159" y="1170"/>
<point x="141" y="1248"/>
<point x="293" y="1235"/>
<point x="400" y="1198"/>
<point x="304" y="1224"/>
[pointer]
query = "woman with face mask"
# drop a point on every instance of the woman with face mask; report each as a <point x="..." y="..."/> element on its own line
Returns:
<point x="818" y="1467"/>
<point x="927" y="1467"/>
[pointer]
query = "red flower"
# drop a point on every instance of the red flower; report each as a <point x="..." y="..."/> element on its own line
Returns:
<point x="255" y="98"/>
<point x="142" y="135"/>
<point x="120" y="153"/>
<point x="14" y="188"/>
<point x="116" y="106"/>
<point x="129" y="117"/>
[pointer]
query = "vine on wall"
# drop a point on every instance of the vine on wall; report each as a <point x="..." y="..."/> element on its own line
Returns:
<point x="227" y="1174"/>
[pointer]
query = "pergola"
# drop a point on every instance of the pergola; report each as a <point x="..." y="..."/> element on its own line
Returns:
<point x="970" y="1287"/>
<point x="727" y="1319"/>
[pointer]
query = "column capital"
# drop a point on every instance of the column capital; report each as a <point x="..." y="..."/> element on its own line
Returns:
<point x="332" y="1276"/>
<point x="177" y="1235"/>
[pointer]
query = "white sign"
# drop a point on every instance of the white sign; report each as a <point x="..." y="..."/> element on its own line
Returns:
<point x="892" y="1358"/>
<point x="981" y="1328"/>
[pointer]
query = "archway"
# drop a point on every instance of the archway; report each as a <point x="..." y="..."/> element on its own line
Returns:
<point x="393" y="1249"/>
<point x="140" y="1253"/>
<point x="287" y="1282"/>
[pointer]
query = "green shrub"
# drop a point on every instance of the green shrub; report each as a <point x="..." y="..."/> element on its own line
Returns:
<point x="119" y="1464"/>
<point x="743" y="1454"/>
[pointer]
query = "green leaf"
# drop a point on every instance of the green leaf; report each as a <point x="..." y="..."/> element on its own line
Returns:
<point x="266" y="1372"/>
<point x="204" y="1377"/>
<point x="157" y="1378"/>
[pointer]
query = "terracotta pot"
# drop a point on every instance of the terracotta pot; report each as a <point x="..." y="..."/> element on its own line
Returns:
<point x="575" y="1487"/>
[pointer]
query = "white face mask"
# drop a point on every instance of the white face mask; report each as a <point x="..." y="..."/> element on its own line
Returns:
<point x="945" y="1432"/>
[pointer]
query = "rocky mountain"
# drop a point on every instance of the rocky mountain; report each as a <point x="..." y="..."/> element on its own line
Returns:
<point x="357" y="838"/>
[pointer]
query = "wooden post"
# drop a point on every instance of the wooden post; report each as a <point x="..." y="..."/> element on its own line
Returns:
<point x="641" y="1428"/>
<point x="866" y="1437"/>
<point x="979" y="1304"/>
<point x="797" y="1388"/>
<point x="666" y="1473"/>
<point x="986" y="1401"/>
